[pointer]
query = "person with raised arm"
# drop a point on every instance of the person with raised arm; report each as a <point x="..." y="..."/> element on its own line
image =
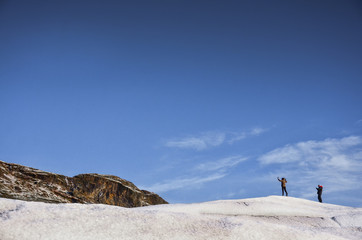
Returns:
<point x="283" y="184"/>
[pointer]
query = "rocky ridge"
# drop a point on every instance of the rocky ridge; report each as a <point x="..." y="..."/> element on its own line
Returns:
<point x="29" y="184"/>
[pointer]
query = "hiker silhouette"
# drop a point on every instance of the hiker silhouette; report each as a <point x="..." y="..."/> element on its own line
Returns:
<point x="283" y="185"/>
<point x="319" y="192"/>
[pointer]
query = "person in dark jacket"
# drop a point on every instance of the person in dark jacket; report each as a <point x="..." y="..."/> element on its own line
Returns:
<point x="319" y="192"/>
<point x="283" y="184"/>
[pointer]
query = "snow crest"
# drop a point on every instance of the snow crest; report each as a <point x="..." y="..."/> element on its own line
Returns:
<point x="260" y="218"/>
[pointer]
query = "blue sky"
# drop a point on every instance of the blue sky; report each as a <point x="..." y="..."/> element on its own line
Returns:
<point x="194" y="100"/>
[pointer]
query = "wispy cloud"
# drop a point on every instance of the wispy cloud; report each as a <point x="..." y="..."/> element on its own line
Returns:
<point x="200" y="174"/>
<point x="180" y="183"/>
<point x="337" y="153"/>
<point x="237" y="136"/>
<point x="202" y="142"/>
<point x="257" y="131"/>
<point x="221" y="165"/>
<point x="212" y="139"/>
<point x="335" y="163"/>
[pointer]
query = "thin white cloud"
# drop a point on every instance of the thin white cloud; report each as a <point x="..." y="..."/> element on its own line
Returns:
<point x="206" y="140"/>
<point x="257" y="131"/>
<point x="206" y="172"/>
<point x="221" y="165"/>
<point x="235" y="137"/>
<point x="212" y="139"/>
<point x="338" y="153"/>
<point x="184" y="182"/>
<point x="288" y="153"/>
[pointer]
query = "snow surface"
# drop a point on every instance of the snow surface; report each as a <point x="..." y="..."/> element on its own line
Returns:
<point x="271" y="217"/>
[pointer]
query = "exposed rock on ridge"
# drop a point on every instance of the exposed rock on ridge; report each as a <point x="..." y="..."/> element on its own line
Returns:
<point x="29" y="184"/>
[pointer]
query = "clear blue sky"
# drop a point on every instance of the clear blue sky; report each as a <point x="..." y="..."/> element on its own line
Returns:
<point x="194" y="100"/>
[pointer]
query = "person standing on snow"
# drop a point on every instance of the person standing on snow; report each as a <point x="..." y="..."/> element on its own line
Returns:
<point x="319" y="192"/>
<point x="283" y="184"/>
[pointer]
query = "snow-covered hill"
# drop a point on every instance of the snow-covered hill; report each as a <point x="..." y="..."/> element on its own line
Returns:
<point x="259" y="218"/>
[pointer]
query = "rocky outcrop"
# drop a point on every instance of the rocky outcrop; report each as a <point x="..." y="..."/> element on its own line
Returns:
<point x="25" y="183"/>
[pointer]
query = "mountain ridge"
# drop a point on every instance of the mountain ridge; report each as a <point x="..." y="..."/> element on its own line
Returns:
<point x="30" y="184"/>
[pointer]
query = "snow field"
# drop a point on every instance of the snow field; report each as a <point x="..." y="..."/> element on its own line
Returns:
<point x="260" y="218"/>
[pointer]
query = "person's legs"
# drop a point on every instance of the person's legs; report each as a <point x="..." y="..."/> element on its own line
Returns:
<point x="284" y="189"/>
<point x="319" y="198"/>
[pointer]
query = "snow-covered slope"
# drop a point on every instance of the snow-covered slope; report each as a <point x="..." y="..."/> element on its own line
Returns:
<point x="260" y="218"/>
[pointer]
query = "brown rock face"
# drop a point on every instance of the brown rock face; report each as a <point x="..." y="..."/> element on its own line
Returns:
<point x="29" y="184"/>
